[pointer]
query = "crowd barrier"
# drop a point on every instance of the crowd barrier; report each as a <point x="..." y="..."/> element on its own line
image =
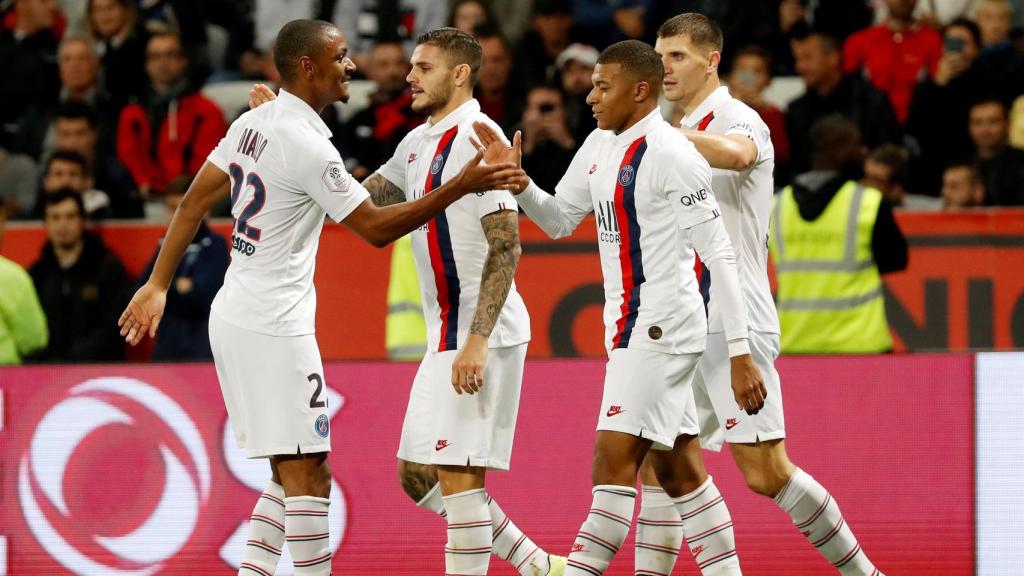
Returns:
<point x="964" y="289"/>
<point x="121" y="470"/>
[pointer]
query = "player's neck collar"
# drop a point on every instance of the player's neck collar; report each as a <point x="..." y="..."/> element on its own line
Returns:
<point x="719" y="95"/>
<point x="641" y="128"/>
<point x="466" y="109"/>
<point x="299" y="106"/>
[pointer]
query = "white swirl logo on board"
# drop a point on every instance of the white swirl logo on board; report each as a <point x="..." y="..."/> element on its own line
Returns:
<point x="167" y="527"/>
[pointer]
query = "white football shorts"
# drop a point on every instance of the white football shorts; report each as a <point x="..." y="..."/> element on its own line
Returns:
<point x="274" y="390"/>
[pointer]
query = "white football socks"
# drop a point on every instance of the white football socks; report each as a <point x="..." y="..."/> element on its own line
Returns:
<point x="659" y="533"/>
<point x="468" y="551"/>
<point x="266" y="533"/>
<point x="306" y="531"/>
<point x="603" y="532"/>
<point x="707" y="526"/>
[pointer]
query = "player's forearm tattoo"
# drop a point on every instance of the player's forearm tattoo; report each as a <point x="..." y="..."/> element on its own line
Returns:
<point x="382" y="191"/>
<point x="502" y="232"/>
<point x="417" y="479"/>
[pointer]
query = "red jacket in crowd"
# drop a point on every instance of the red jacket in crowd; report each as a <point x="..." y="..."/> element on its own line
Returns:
<point x="894" y="61"/>
<point x="190" y="128"/>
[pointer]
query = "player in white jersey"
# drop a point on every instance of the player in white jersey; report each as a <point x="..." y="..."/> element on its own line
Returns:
<point x="651" y="193"/>
<point x="737" y="144"/>
<point x="284" y="176"/>
<point x="456" y="428"/>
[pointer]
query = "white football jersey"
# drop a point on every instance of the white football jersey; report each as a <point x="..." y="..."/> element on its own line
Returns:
<point x="647" y="186"/>
<point x="746" y="200"/>
<point x="451" y="249"/>
<point x="285" y="175"/>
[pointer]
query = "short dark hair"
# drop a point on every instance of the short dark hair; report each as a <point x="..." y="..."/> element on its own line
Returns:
<point x="168" y="33"/>
<point x="73" y="110"/>
<point x="990" y="99"/>
<point x="296" y="39"/>
<point x="829" y="43"/>
<point x="68" y="156"/>
<point x="54" y="198"/>
<point x="966" y="24"/>
<point x="485" y="31"/>
<point x="972" y="170"/>
<point x="757" y="52"/>
<point x="829" y="135"/>
<point x="459" y="47"/>
<point x="548" y="7"/>
<point x="637" y="58"/>
<point x="895" y="157"/>
<point x="700" y="29"/>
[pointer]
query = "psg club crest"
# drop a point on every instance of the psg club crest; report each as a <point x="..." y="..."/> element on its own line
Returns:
<point x="626" y="175"/>
<point x="322" y="426"/>
<point x="437" y="164"/>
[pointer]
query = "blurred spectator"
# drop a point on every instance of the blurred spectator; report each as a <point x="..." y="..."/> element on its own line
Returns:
<point x="468" y="15"/>
<point x="1001" y="165"/>
<point x="513" y="18"/>
<point x="549" y="36"/>
<point x="187" y="19"/>
<point x="830" y="92"/>
<point x="172" y="129"/>
<point x="548" y="145"/>
<point x="742" y="21"/>
<point x="372" y="134"/>
<point x="790" y="17"/>
<point x="998" y="55"/>
<point x="841" y="18"/>
<point x="962" y="187"/>
<point x="886" y="169"/>
<point x="28" y="56"/>
<point x="604" y="22"/>
<point x="934" y="13"/>
<point x="895" y="54"/>
<point x="499" y="93"/>
<point x="364" y="22"/>
<point x="938" y="111"/>
<point x="576" y="65"/>
<point x="81" y="284"/>
<point x="79" y="82"/>
<point x="1017" y="123"/>
<point x="267" y="17"/>
<point x="22" y="323"/>
<point x="67" y="170"/>
<point x="17" y="184"/>
<point x="184" y="328"/>
<point x="749" y="77"/>
<point x="75" y="130"/>
<point x="121" y="43"/>
<point x="829" y="287"/>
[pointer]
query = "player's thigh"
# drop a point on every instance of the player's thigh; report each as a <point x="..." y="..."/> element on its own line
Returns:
<point x="284" y="394"/>
<point x="418" y="434"/>
<point x="649" y="394"/>
<point x="715" y="371"/>
<point x="478" y="429"/>
<point x="228" y="375"/>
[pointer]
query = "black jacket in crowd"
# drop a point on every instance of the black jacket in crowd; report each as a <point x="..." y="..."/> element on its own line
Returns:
<point x="29" y="67"/>
<point x="82" y="303"/>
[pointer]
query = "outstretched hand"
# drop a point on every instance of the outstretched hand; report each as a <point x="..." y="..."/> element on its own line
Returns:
<point x="493" y="146"/>
<point x="260" y="94"/>
<point x="143" y="314"/>
<point x="477" y="176"/>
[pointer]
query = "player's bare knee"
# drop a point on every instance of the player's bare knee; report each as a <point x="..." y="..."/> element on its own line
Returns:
<point x="416" y="479"/>
<point x="614" y="471"/>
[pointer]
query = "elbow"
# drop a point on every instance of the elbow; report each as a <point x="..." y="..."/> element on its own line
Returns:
<point x="377" y="240"/>
<point x="738" y="159"/>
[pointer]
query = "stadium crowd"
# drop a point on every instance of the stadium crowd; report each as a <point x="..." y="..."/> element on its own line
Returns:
<point x="104" y="112"/>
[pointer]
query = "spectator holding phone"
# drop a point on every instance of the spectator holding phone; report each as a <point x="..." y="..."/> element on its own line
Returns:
<point x="939" y="109"/>
<point x="548" y="145"/>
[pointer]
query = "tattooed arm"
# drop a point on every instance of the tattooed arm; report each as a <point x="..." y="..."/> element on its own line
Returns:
<point x="382" y="191"/>
<point x="502" y="232"/>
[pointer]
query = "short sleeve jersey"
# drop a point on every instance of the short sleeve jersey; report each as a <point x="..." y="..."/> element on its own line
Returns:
<point x="451" y="249"/>
<point x="285" y="176"/>
<point x="646" y="186"/>
<point x="746" y="200"/>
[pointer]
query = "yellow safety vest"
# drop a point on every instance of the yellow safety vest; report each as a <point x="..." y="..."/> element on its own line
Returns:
<point x="829" y="290"/>
<point x="405" y="331"/>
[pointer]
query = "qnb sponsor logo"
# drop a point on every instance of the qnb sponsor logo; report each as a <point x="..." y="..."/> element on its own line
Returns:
<point x="694" y="197"/>
<point x="607" y="222"/>
<point x="116" y="521"/>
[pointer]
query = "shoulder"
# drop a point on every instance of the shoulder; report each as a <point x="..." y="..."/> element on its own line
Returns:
<point x="737" y="111"/>
<point x="667" y="141"/>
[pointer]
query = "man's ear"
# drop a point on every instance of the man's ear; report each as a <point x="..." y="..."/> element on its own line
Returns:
<point x="307" y="66"/>
<point x="463" y="74"/>
<point x="641" y="91"/>
<point x="714" y="60"/>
